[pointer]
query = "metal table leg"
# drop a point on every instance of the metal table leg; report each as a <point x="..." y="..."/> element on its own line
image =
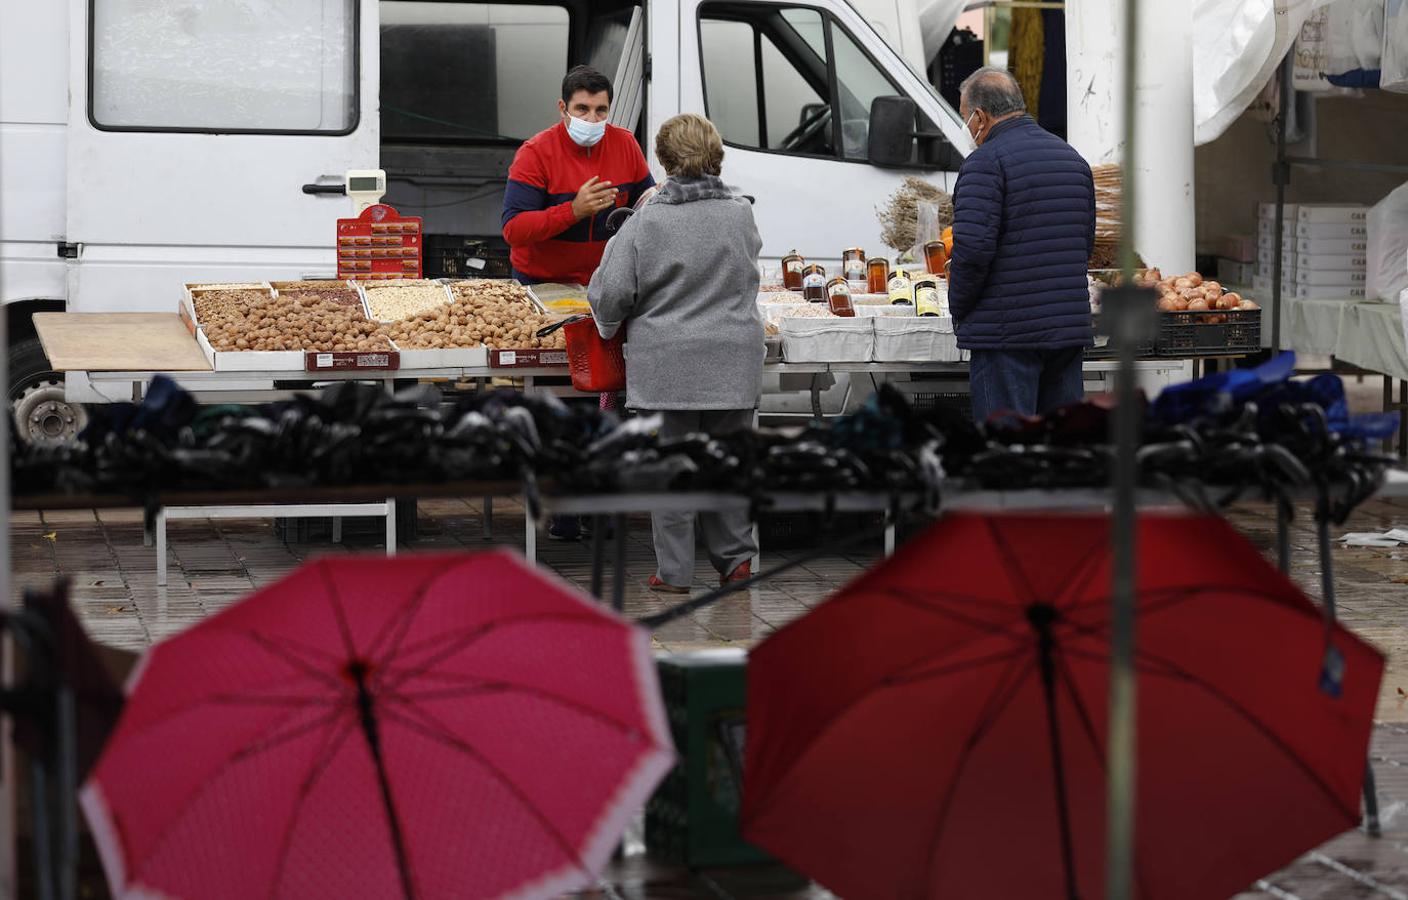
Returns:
<point x="1283" y="538"/>
<point x="1403" y="419"/>
<point x="161" y="547"/>
<point x="489" y="518"/>
<point x="598" y="554"/>
<point x="390" y="526"/>
<point x="1388" y="405"/>
<point x="618" y="583"/>
<point x="337" y="529"/>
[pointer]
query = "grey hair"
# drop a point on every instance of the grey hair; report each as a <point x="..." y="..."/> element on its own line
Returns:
<point x="994" y="91"/>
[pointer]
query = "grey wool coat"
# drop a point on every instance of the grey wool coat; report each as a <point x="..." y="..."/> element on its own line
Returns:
<point x="682" y="276"/>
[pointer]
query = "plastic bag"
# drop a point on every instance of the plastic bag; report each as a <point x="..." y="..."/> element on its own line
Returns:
<point x="1356" y="35"/>
<point x="1387" y="275"/>
<point x="1394" y="62"/>
<point x="929" y="229"/>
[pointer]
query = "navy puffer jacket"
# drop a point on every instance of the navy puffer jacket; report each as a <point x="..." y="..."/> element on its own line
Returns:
<point x="1023" y="232"/>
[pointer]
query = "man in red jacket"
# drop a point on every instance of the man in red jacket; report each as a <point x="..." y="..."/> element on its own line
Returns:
<point x="565" y="181"/>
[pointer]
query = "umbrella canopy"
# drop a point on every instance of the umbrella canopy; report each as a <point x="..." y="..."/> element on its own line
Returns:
<point x="428" y="726"/>
<point x="938" y="729"/>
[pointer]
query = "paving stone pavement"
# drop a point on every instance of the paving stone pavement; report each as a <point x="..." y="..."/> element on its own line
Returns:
<point x="214" y="563"/>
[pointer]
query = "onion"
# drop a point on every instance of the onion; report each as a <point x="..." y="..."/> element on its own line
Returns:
<point x="1199" y="305"/>
<point x="1212" y="286"/>
<point x="1233" y="297"/>
<point x="1194" y="277"/>
<point x="1248" y="304"/>
<point x="1167" y="304"/>
<point x="1180" y="304"/>
<point x="1184" y="282"/>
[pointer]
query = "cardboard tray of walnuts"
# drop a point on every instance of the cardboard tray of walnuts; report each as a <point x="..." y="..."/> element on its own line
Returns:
<point x="251" y="328"/>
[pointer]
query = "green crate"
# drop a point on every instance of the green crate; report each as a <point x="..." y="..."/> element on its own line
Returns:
<point x="692" y="818"/>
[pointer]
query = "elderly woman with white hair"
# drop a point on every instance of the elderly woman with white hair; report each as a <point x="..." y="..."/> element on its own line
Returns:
<point x="682" y="276"/>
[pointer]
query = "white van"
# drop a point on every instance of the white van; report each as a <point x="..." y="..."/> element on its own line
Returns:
<point x="145" y="144"/>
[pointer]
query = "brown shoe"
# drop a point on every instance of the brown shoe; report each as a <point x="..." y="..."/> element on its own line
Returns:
<point x="742" y="573"/>
<point x="655" y="584"/>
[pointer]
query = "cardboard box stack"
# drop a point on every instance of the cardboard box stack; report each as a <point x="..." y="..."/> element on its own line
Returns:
<point x="1324" y="252"/>
<point x="1266" y="249"/>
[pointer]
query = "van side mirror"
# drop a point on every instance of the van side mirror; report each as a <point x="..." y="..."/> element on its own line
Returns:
<point x="891" y="140"/>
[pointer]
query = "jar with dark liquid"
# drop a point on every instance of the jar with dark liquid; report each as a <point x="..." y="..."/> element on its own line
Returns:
<point x="877" y="275"/>
<point x="792" y="265"/>
<point x="935" y="256"/>
<point x="838" y="297"/>
<point x="814" y="284"/>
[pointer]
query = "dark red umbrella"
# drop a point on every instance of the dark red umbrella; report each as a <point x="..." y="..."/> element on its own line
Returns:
<point x="938" y="729"/>
<point x="429" y="726"/>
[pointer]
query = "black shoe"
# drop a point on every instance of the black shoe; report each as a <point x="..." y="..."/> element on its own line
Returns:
<point x="565" y="528"/>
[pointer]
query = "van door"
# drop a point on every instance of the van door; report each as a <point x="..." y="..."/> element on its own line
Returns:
<point x="193" y="130"/>
<point x="790" y="87"/>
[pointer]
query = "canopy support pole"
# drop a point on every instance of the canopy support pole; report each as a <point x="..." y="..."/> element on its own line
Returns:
<point x="1119" y="793"/>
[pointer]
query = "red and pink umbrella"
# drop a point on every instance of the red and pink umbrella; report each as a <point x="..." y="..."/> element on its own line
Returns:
<point x="429" y="726"/>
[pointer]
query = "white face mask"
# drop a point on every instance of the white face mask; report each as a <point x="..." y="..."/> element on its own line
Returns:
<point x="584" y="133"/>
<point x="971" y="141"/>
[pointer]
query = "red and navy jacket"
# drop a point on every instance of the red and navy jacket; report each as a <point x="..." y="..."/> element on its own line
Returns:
<point x="547" y="242"/>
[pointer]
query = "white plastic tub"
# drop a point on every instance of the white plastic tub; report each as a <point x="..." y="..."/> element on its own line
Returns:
<point x="829" y="340"/>
<point x="916" y="339"/>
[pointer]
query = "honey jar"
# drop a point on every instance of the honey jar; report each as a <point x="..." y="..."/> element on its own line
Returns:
<point x="853" y="264"/>
<point x="838" y="297"/>
<point x="814" y="284"/>
<point x="877" y="275"/>
<point x="901" y="289"/>
<point x="935" y="256"/>
<point x="792" y="265"/>
<point x="926" y="296"/>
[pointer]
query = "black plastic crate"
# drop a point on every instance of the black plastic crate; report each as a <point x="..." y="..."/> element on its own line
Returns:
<point x="456" y="264"/>
<point x="449" y="255"/>
<point x="355" y="529"/>
<point x="1214" y="331"/>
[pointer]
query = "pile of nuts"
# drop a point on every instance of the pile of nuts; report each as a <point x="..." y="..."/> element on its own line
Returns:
<point x="403" y="300"/>
<point x="337" y="291"/>
<point x="496" y="314"/>
<point x="484" y="289"/>
<point x="254" y="320"/>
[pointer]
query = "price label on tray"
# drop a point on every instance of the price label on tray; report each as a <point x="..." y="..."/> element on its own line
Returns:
<point x="379" y="245"/>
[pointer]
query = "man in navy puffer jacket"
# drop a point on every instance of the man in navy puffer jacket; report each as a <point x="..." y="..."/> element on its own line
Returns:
<point x="1023" y="232"/>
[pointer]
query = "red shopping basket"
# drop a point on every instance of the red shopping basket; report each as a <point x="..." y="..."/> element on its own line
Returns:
<point x="597" y="366"/>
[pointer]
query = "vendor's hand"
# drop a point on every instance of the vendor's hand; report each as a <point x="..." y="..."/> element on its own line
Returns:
<point x="596" y="196"/>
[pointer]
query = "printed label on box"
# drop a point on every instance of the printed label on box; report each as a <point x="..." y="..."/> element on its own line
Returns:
<point x="324" y="360"/>
<point x="508" y="358"/>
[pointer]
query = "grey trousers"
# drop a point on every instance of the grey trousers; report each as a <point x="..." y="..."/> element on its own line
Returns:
<point x="728" y="536"/>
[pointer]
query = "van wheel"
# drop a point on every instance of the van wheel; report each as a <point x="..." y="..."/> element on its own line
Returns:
<point x="41" y="414"/>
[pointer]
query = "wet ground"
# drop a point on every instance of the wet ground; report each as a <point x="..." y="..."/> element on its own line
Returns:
<point x="214" y="563"/>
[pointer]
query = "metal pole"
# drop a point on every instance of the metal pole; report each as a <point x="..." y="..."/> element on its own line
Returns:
<point x="1119" y="795"/>
<point x="9" y="886"/>
<point x="1280" y="176"/>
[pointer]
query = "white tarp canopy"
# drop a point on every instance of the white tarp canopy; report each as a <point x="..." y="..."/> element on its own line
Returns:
<point x="1237" y="45"/>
